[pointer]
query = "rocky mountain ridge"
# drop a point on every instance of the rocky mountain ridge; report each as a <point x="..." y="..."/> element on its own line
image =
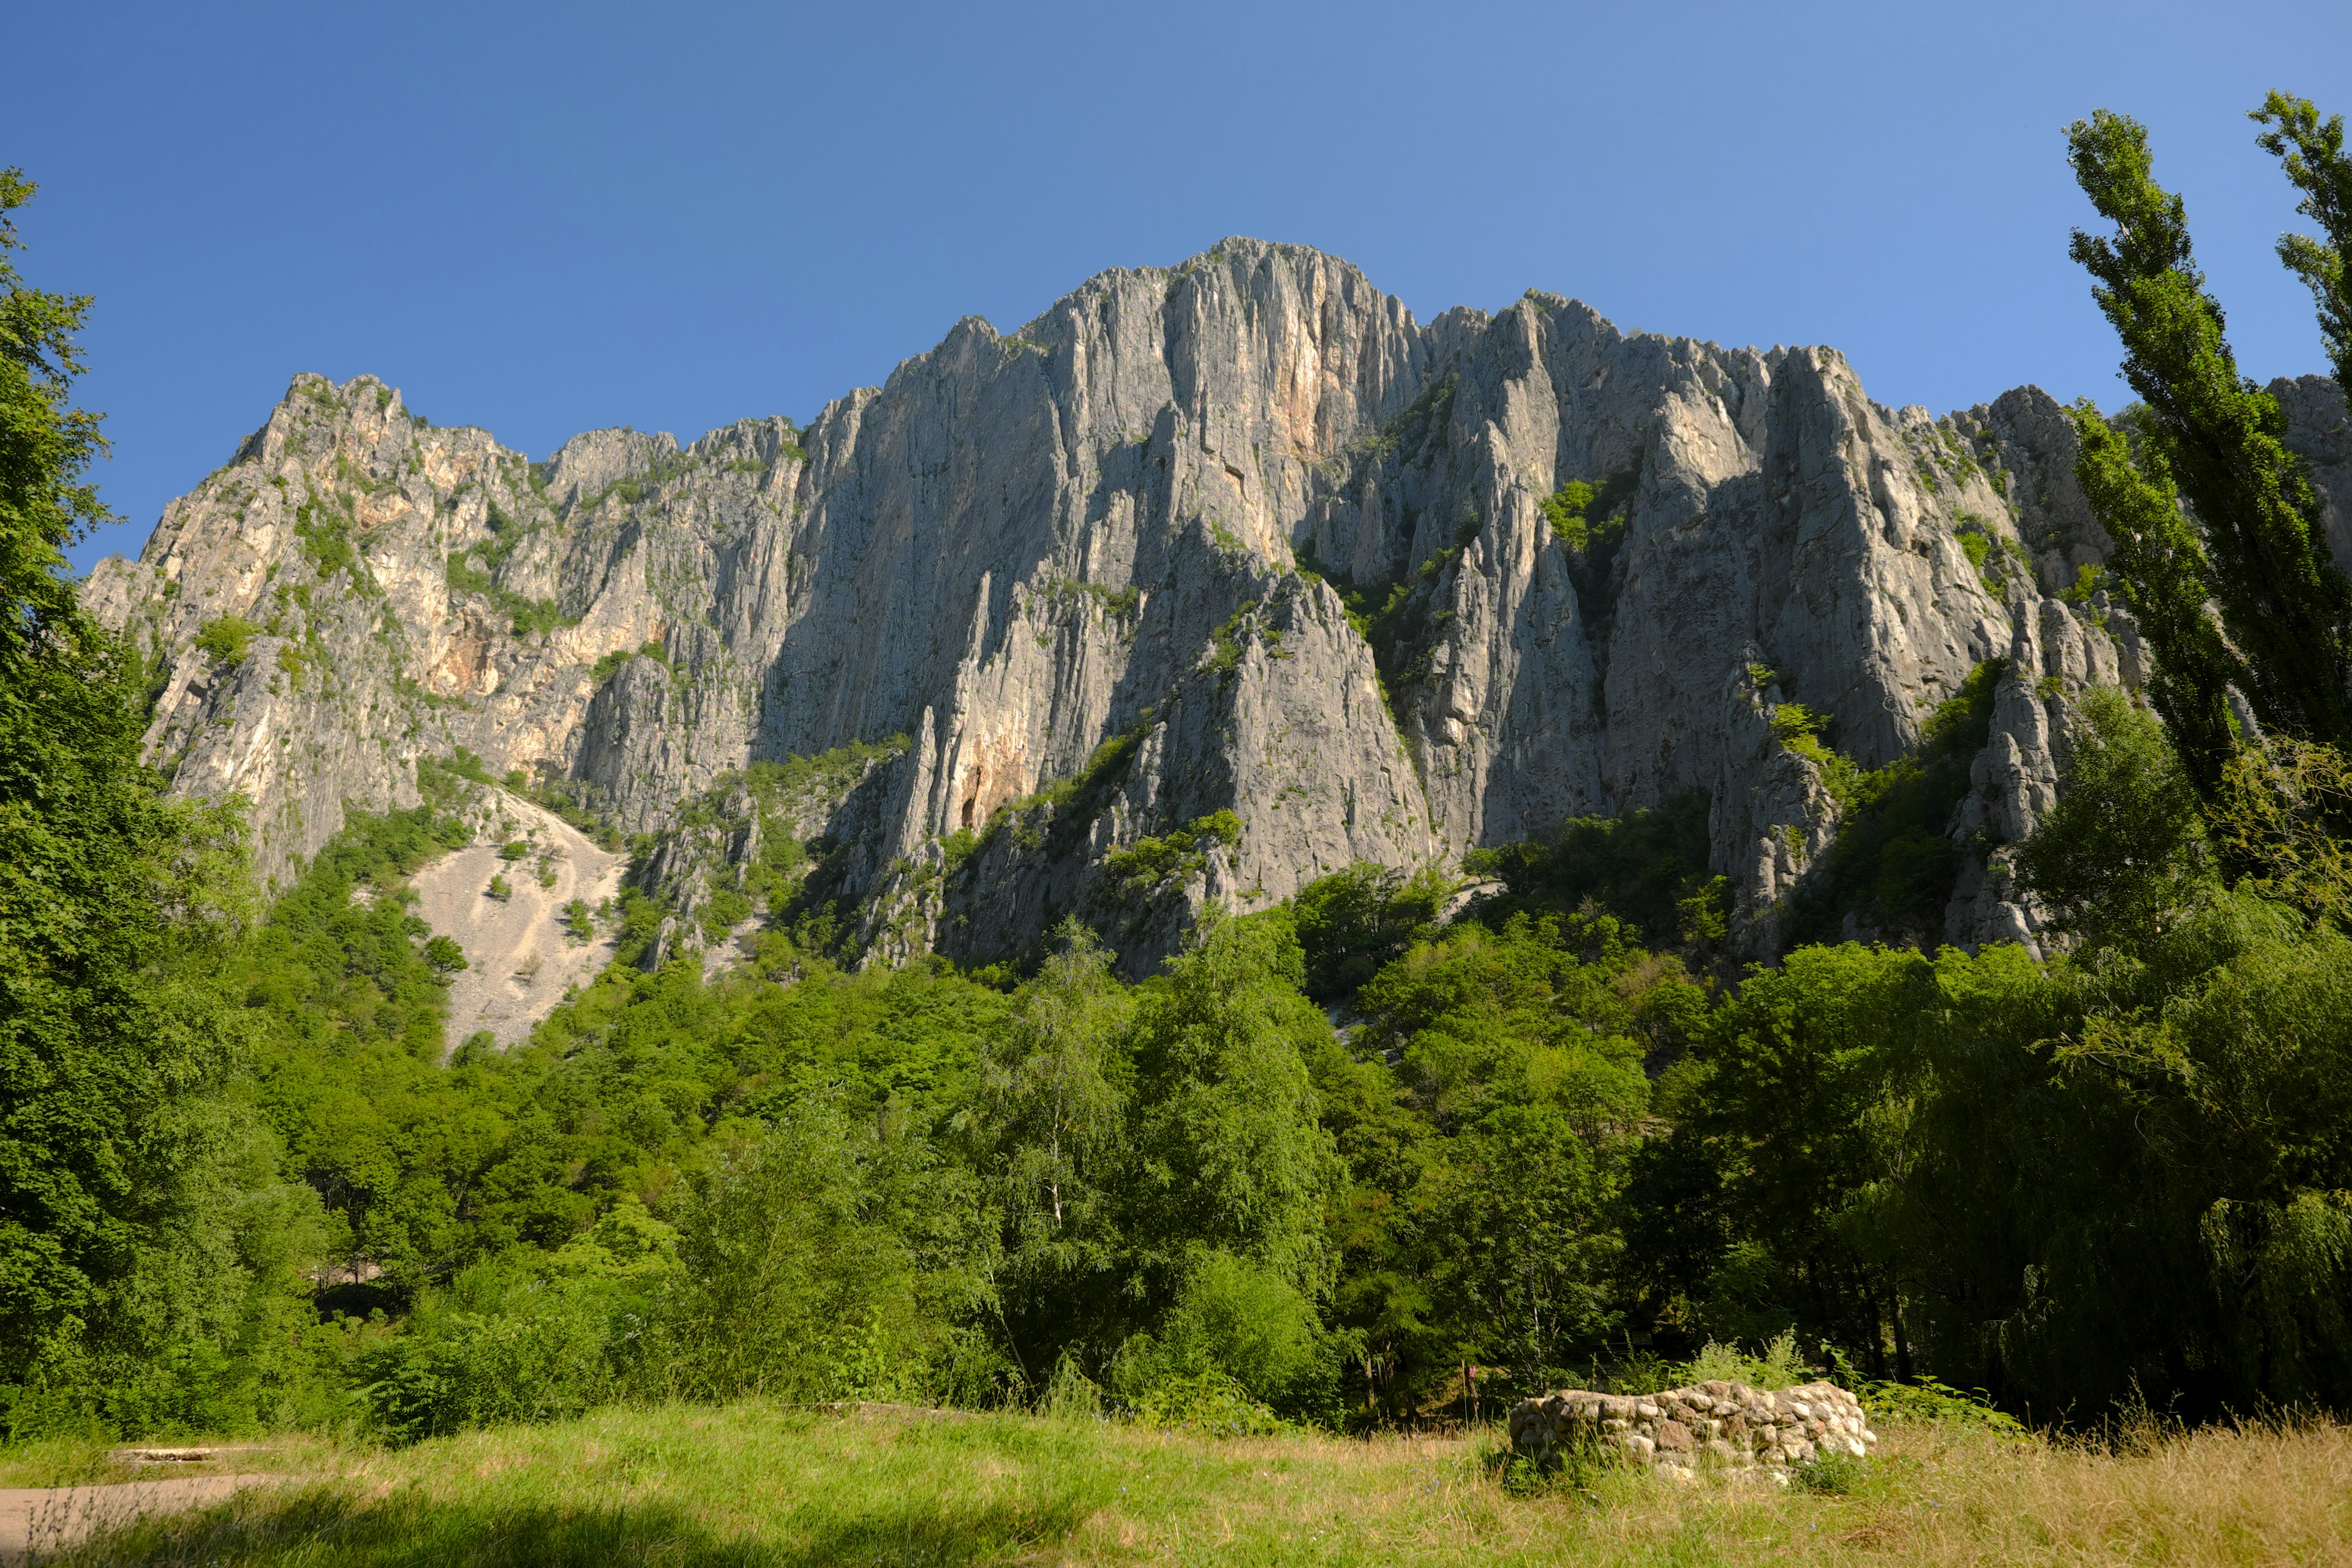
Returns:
<point x="1208" y="581"/>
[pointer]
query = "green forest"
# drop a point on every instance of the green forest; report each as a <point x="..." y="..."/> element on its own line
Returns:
<point x="1376" y="1156"/>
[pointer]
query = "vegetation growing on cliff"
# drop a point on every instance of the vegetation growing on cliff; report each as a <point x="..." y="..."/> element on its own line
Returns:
<point x="1351" y="1160"/>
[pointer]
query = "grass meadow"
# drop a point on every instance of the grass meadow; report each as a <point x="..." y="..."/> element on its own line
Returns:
<point x="696" y="1487"/>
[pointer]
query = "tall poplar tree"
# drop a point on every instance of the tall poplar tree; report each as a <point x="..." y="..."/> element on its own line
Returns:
<point x="2311" y="150"/>
<point x="2250" y="543"/>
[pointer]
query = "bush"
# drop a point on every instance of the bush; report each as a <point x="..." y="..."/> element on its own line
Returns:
<point x="1210" y="1402"/>
<point x="1236" y="1320"/>
<point x="1647" y="867"/>
<point x="1778" y="1367"/>
<point x="225" y="637"/>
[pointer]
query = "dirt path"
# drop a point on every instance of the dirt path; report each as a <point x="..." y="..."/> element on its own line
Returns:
<point x="37" y="1521"/>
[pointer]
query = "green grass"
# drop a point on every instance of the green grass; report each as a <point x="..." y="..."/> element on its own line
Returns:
<point x="761" y="1484"/>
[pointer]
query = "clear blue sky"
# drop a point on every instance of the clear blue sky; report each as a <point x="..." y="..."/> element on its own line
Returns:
<point x="544" y="219"/>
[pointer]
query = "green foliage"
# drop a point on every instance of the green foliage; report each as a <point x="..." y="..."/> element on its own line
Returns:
<point x="325" y="536"/>
<point x="2085" y="583"/>
<point x="2311" y="152"/>
<point x="2124" y="848"/>
<point x="724" y="910"/>
<point x="1564" y="511"/>
<point x="1210" y="1402"/>
<point x="823" y="776"/>
<point x="473" y="571"/>
<point x="1055" y="817"/>
<point x="1893" y="862"/>
<point x="1977" y="545"/>
<point x="1148" y="866"/>
<point x="1232" y="1169"/>
<point x="144" y="1239"/>
<point x="1047" y="1131"/>
<point x="1649" y="867"/>
<point x="2251" y="540"/>
<point x="46" y="449"/>
<point x="1409" y="434"/>
<point x="1353" y="922"/>
<point x="504" y="1342"/>
<point x="2277" y="821"/>
<point x="2163" y="576"/>
<point x="811" y="1265"/>
<point x="1925" y="1399"/>
<point x="1798" y="728"/>
<point x="442" y="781"/>
<point x="1777" y="1101"/>
<point x="2059" y="1185"/>
<point x="225" y="637"/>
<point x="1487" y="1111"/>
<point x="611" y="663"/>
<point x="1777" y="1366"/>
<point x="1589" y="520"/>
<point x="1225" y="643"/>
<point x="1065" y="594"/>
<point x="1398" y="618"/>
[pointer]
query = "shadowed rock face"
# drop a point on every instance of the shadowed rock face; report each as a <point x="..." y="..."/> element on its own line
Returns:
<point x="1066" y="567"/>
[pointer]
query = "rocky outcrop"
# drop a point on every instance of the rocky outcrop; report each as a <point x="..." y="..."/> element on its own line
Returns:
<point x="1707" y="1426"/>
<point x="1209" y="580"/>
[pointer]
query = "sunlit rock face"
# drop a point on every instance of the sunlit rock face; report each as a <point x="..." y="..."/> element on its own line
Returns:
<point x="1079" y="585"/>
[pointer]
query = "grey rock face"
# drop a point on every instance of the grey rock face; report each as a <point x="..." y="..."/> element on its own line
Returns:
<point x="1069" y="568"/>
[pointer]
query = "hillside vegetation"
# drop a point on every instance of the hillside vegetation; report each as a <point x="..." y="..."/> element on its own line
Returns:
<point x="1340" y="1174"/>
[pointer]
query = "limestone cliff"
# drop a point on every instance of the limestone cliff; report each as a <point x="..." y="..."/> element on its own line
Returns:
<point x="1075" y="592"/>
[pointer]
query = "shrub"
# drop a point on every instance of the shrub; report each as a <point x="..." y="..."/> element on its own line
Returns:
<point x="506" y="1343"/>
<point x="1778" y="1367"/>
<point x="225" y="638"/>
<point x="1210" y="1402"/>
<point x="1237" y="1329"/>
<point x="1150" y="864"/>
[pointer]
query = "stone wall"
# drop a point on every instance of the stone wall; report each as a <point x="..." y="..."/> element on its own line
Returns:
<point x="1725" y="1425"/>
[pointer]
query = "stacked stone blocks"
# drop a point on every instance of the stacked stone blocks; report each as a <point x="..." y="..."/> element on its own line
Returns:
<point x="1717" y="1424"/>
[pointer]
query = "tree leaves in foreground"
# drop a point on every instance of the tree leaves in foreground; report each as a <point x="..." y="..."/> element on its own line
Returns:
<point x="1531" y="1149"/>
<point x="2251" y="541"/>
<point x="144" y="1235"/>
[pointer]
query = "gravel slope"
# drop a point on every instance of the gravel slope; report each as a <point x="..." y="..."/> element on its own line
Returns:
<point x="521" y="960"/>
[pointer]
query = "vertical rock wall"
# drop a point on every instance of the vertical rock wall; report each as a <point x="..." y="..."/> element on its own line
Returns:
<point x="1090" y="574"/>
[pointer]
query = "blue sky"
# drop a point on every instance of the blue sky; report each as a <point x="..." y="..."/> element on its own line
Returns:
<point x="542" y="220"/>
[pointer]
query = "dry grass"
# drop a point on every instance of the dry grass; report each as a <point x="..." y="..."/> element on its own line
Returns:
<point x="751" y="1484"/>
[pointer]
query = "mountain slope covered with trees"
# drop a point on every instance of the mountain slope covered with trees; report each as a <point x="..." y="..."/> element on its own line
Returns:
<point x="1415" y="1135"/>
